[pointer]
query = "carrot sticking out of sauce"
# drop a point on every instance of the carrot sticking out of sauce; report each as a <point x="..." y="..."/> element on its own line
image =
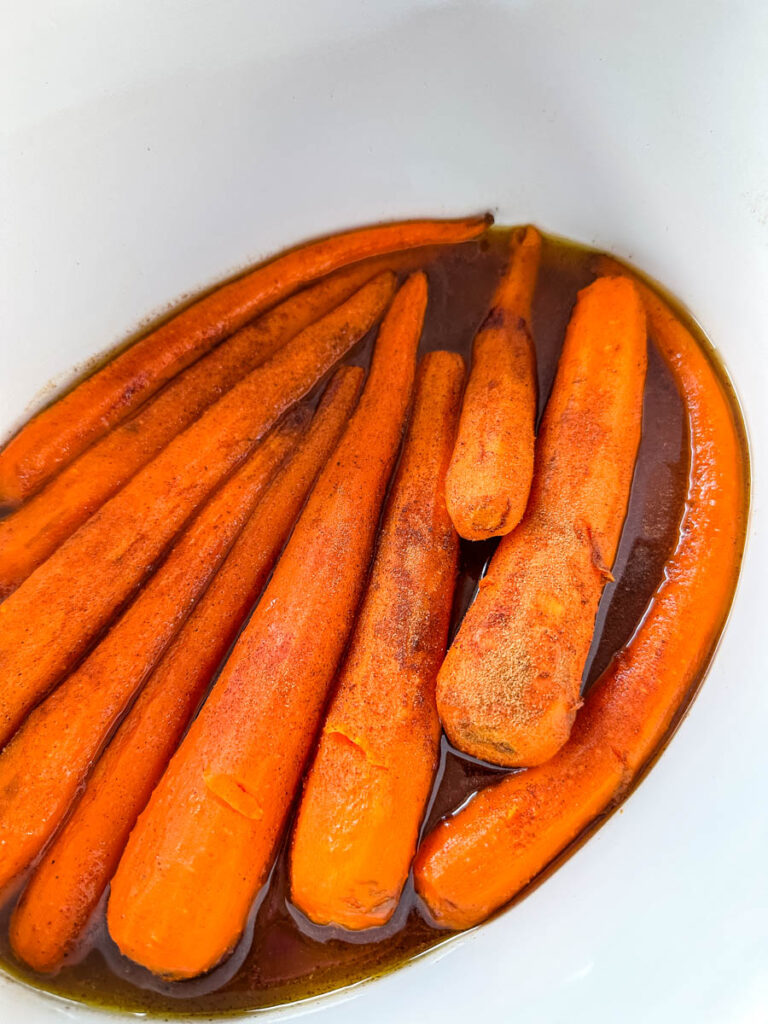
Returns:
<point x="365" y="794"/>
<point x="33" y="532"/>
<point x="477" y="860"/>
<point x="45" y="763"/>
<point x="68" y="883"/>
<point x="81" y="585"/>
<point x="490" y="474"/>
<point x="509" y="688"/>
<point x="203" y="847"/>
<point x="62" y="431"/>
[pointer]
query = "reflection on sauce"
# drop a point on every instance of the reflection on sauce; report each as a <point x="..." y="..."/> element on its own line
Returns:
<point x="283" y="957"/>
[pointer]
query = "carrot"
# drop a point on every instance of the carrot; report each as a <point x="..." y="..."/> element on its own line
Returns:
<point x="678" y="635"/>
<point x="479" y="859"/>
<point x="32" y="533"/>
<point x="55" y="436"/>
<point x="68" y="883"/>
<point x="84" y="582"/>
<point x="48" y="758"/>
<point x="509" y="688"/>
<point x="365" y="794"/>
<point x="490" y="474"/>
<point x="203" y="846"/>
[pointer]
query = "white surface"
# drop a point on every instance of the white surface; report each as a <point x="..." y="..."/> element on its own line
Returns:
<point x="151" y="148"/>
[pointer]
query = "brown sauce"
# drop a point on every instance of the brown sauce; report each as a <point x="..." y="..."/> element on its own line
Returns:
<point x="282" y="956"/>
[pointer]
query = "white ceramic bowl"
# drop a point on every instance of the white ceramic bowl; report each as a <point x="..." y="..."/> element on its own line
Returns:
<point x="152" y="148"/>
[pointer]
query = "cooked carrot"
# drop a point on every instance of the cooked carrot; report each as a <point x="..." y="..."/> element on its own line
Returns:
<point x="68" y="884"/>
<point x="43" y="766"/>
<point x="55" y="436"/>
<point x="84" y="582"/>
<point x="490" y="474"/>
<point x="369" y="783"/>
<point x="479" y="859"/>
<point x="203" y="846"/>
<point x="29" y="535"/>
<point x="678" y="634"/>
<point x="509" y="688"/>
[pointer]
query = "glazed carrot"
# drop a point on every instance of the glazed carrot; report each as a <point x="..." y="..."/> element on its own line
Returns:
<point x="678" y="635"/>
<point x="29" y="535"/>
<point x="68" y="884"/>
<point x="479" y="859"/>
<point x="509" y="688"/>
<point x="55" y="436"/>
<point x="203" y="846"/>
<point x="43" y="766"/>
<point x="84" y="582"/>
<point x="370" y="780"/>
<point x="490" y="474"/>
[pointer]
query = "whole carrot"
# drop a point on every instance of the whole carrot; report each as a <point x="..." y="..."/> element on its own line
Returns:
<point x="693" y="601"/>
<point x="30" y="534"/>
<point x="68" y="884"/>
<point x="45" y="763"/>
<point x="480" y="858"/>
<point x="492" y="466"/>
<point x="365" y="794"/>
<point x="83" y="583"/>
<point x="55" y="436"/>
<point x="203" y="846"/>
<point x="509" y="688"/>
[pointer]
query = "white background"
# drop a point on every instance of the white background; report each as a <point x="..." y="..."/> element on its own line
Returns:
<point x="150" y="148"/>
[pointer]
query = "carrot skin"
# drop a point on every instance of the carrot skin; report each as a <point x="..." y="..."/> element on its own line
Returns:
<point x="62" y="431"/>
<point x="33" y="532"/>
<point x="84" y="582"/>
<point x="203" y="846"/>
<point x="67" y="885"/>
<point x="491" y="470"/>
<point x="476" y="861"/>
<point x="365" y="793"/>
<point x="47" y="760"/>
<point x="509" y="688"/>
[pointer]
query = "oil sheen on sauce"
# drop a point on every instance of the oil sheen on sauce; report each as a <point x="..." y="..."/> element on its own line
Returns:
<point x="283" y="957"/>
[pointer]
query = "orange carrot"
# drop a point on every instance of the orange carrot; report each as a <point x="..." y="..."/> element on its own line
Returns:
<point x="492" y="466"/>
<point x="43" y="766"/>
<point x="55" y="436"/>
<point x="678" y="635"/>
<point x="68" y="884"/>
<point x="509" y="688"/>
<point x="203" y="846"/>
<point x="29" y="535"/>
<point x="479" y="859"/>
<point x="83" y="583"/>
<point x="370" y="780"/>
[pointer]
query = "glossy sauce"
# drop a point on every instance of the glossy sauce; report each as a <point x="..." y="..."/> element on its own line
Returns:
<point x="283" y="957"/>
